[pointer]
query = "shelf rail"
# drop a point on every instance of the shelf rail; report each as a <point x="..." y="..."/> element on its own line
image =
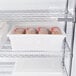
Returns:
<point x="72" y="43"/>
<point x="35" y="15"/>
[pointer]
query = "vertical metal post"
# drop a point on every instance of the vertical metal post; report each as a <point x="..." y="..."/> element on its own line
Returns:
<point x="65" y="27"/>
<point x="72" y="43"/>
<point x="66" y="15"/>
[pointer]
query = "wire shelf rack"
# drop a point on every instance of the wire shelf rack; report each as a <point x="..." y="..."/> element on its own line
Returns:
<point x="34" y="15"/>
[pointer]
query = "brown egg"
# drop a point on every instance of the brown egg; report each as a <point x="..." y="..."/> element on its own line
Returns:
<point x="18" y="31"/>
<point x="31" y="30"/>
<point x="55" y="30"/>
<point x="43" y="30"/>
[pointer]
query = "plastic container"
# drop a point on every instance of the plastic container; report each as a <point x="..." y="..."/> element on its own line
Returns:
<point x="36" y="42"/>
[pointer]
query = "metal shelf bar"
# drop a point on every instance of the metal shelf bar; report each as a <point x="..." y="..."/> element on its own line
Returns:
<point x="35" y="15"/>
<point x="65" y="29"/>
<point x="72" y="43"/>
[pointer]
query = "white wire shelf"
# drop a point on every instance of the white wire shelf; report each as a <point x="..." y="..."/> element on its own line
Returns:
<point x="39" y="65"/>
<point x="51" y="67"/>
<point x="6" y="68"/>
<point x="8" y="56"/>
<point x="34" y="15"/>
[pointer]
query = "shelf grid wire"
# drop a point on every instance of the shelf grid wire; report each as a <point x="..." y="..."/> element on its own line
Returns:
<point x="32" y="15"/>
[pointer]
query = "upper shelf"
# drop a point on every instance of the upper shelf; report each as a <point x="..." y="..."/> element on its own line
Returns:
<point x="35" y="15"/>
<point x="31" y="4"/>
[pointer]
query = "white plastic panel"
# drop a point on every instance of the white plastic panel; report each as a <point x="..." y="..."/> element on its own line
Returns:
<point x="31" y="4"/>
<point x="39" y="67"/>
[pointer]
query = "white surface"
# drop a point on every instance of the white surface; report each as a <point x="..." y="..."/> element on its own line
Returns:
<point x="30" y="4"/>
<point x="52" y="64"/>
<point x="37" y="42"/>
<point x="39" y="66"/>
<point x="34" y="4"/>
<point x="38" y="74"/>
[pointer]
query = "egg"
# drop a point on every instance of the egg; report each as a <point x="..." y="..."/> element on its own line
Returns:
<point x="55" y="30"/>
<point x="18" y="31"/>
<point x="31" y="30"/>
<point x="43" y="30"/>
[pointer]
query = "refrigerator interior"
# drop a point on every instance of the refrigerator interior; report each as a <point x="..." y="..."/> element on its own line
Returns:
<point x="32" y="12"/>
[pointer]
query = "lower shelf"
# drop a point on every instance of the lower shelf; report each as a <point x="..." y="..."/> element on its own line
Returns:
<point x="31" y="63"/>
<point x="39" y="67"/>
<point x="33" y="67"/>
<point x="6" y="68"/>
<point x="38" y="74"/>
